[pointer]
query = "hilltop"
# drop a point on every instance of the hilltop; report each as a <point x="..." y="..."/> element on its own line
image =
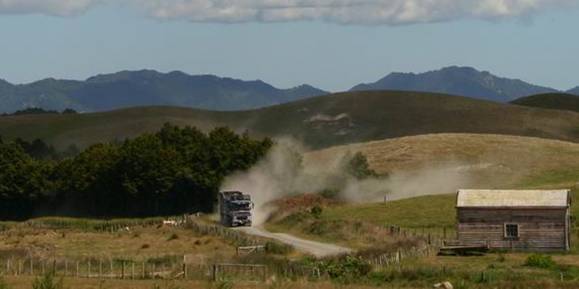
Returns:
<point x="560" y="101"/>
<point x="147" y="87"/>
<point x="319" y="122"/>
<point x="465" y="81"/>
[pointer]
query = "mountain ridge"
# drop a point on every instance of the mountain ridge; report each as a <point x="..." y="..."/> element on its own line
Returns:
<point x="457" y="80"/>
<point x="148" y="87"/>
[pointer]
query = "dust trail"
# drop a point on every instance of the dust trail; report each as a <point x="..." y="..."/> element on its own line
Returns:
<point x="281" y="173"/>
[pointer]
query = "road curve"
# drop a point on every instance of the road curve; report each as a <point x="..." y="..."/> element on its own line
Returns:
<point x="311" y="247"/>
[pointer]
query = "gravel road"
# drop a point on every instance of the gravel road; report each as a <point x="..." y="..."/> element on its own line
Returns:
<point x="311" y="247"/>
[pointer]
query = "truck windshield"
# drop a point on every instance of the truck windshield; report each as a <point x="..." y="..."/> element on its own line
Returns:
<point x="240" y="206"/>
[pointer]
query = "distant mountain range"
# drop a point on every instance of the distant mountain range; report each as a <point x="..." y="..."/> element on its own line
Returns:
<point x="148" y="87"/>
<point x="145" y="88"/>
<point x="464" y="81"/>
<point x="574" y="91"/>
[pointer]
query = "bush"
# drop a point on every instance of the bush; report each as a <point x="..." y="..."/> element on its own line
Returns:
<point x="329" y="194"/>
<point x="316" y="211"/>
<point x="540" y="261"/>
<point x="277" y="248"/>
<point x="48" y="281"/>
<point x="346" y="269"/>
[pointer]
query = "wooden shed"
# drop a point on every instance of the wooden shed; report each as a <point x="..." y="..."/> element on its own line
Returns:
<point x="534" y="220"/>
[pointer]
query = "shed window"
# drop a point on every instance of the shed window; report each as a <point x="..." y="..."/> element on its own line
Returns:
<point x="511" y="231"/>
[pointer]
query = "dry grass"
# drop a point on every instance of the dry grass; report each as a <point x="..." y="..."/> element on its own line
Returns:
<point x="138" y="244"/>
<point x="78" y="283"/>
<point x="492" y="160"/>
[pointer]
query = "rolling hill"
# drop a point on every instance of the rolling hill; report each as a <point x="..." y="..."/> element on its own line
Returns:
<point x="560" y="101"/>
<point x="482" y="160"/>
<point x="465" y="81"/>
<point x="147" y="87"/>
<point x="319" y="122"/>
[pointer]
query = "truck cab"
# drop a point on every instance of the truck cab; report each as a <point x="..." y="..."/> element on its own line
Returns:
<point x="235" y="209"/>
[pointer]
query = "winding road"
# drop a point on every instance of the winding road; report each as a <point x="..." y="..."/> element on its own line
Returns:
<point x="317" y="249"/>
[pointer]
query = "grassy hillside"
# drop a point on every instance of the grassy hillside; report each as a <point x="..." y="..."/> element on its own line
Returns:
<point x="488" y="160"/>
<point x="320" y="122"/>
<point x="560" y="101"/>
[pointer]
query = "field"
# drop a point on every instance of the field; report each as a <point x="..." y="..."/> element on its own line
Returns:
<point x="367" y="227"/>
<point x="136" y="243"/>
<point x="319" y="122"/>
<point x="483" y="160"/>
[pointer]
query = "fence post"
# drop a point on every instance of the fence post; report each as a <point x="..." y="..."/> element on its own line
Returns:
<point x="100" y="268"/>
<point x="31" y="266"/>
<point x="89" y="269"/>
<point x="133" y="270"/>
<point x="77" y="268"/>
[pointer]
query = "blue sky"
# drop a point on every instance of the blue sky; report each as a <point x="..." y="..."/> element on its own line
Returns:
<point x="334" y="53"/>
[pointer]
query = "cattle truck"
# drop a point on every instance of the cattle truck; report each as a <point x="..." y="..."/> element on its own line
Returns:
<point x="235" y="209"/>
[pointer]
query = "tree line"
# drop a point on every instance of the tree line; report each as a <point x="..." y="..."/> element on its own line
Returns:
<point x="37" y="110"/>
<point x="172" y="171"/>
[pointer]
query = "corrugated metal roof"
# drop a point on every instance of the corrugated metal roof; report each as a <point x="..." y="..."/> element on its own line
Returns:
<point x="512" y="198"/>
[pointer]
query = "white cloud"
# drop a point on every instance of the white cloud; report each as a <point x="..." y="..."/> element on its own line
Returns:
<point x="390" y="12"/>
<point x="49" y="7"/>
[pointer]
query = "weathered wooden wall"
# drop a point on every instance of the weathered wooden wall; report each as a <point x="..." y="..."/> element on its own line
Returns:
<point x="539" y="229"/>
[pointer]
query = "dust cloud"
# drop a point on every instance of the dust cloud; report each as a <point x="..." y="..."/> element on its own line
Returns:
<point x="281" y="173"/>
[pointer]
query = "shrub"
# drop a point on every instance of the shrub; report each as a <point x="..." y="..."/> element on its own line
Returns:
<point x="329" y="193"/>
<point x="316" y="211"/>
<point x="277" y="248"/>
<point x="346" y="269"/>
<point x="48" y="281"/>
<point x="540" y="261"/>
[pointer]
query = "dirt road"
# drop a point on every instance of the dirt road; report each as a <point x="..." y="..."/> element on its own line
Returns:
<point x="311" y="247"/>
